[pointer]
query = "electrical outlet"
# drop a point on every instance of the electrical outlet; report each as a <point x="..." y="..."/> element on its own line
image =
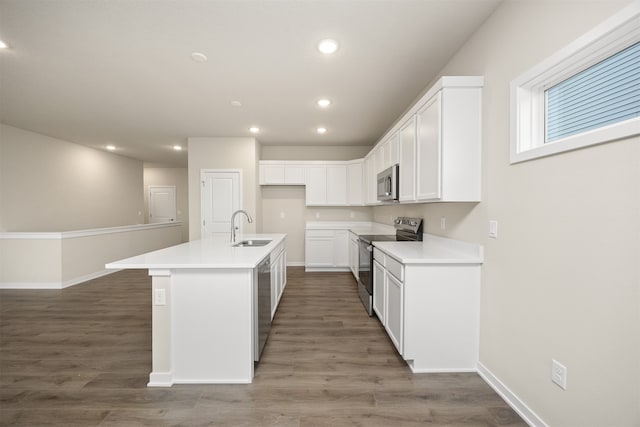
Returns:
<point x="317" y="215"/>
<point x="493" y="229"/>
<point x="352" y="214"/>
<point x="559" y="374"/>
<point x="443" y="222"/>
<point x="281" y="215"/>
<point x="160" y="297"/>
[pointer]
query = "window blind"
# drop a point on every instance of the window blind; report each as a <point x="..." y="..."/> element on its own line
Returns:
<point x="605" y="93"/>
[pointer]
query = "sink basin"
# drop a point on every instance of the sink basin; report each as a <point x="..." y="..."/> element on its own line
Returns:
<point x="251" y="243"/>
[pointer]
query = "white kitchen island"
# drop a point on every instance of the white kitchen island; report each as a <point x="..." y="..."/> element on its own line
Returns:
<point x="204" y="316"/>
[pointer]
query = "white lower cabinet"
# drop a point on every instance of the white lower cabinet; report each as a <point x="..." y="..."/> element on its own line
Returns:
<point x="353" y="254"/>
<point x="278" y="275"/>
<point x="379" y="291"/>
<point x="395" y="312"/>
<point x="327" y="250"/>
<point x="431" y="312"/>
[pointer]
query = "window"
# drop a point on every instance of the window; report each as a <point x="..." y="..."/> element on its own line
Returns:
<point x="588" y="93"/>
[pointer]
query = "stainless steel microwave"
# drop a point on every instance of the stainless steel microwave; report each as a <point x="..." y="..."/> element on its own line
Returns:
<point x="388" y="185"/>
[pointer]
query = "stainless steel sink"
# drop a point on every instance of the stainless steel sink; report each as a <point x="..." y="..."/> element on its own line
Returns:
<point x="251" y="243"/>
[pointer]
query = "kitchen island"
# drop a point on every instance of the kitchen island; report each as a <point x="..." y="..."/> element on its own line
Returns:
<point x="205" y="309"/>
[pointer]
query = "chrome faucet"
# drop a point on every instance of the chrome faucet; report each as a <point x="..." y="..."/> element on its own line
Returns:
<point x="233" y="223"/>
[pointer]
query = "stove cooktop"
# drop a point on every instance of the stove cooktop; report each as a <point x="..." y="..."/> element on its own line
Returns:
<point x="377" y="238"/>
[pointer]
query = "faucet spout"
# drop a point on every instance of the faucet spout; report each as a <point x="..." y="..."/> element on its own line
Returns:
<point x="233" y="223"/>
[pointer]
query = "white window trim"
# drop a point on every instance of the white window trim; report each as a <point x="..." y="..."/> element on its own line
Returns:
<point x="527" y="91"/>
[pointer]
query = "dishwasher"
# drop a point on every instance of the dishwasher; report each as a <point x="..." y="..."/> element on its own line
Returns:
<point x="263" y="307"/>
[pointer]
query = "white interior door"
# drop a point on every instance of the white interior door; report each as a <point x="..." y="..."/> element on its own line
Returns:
<point x="220" y="198"/>
<point x="162" y="204"/>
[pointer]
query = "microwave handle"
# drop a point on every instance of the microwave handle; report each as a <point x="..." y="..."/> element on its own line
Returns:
<point x="388" y="185"/>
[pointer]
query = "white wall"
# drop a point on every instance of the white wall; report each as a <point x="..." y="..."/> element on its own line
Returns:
<point x="562" y="280"/>
<point x="177" y="177"/>
<point x="223" y="153"/>
<point x="48" y="184"/>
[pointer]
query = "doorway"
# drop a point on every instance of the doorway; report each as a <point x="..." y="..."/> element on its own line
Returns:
<point x="221" y="196"/>
<point x="162" y="204"/>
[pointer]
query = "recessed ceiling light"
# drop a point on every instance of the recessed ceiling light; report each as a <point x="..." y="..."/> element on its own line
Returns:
<point x="110" y="147"/>
<point x="3" y="45"/>
<point x="321" y="130"/>
<point x="177" y="147"/>
<point x="236" y="103"/>
<point x="199" y="57"/>
<point x="328" y="46"/>
<point x="324" y="102"/>
<point x="254" y="129"/>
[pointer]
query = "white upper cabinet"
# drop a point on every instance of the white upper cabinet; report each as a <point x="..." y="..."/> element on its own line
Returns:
<point x="407" y="161"/>
<point x="439" y="144"/>
<point x="281" y="173"/>
<point x="355" y="187"/>
<point x="336" y="185"/>
<point x="316" y="191"/>
<point x="428" y="150"/>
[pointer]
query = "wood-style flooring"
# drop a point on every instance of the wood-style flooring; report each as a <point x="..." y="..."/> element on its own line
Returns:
<point x="81" y="357"/>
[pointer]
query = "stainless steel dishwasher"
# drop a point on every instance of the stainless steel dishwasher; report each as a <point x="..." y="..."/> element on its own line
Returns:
<point x="263" y="306"/>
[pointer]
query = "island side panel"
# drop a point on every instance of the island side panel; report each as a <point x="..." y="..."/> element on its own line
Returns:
<point x="161" y="375"/>
<point x="212" y="325"/>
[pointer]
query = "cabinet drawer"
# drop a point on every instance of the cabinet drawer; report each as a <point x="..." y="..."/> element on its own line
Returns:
<point x="394" y="267"/>
<point x="378" y="255"/>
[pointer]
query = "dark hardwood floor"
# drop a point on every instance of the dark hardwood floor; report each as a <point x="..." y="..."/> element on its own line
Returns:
<point x="81" y="357"/>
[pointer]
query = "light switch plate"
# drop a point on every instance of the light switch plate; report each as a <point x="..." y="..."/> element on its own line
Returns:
<point x="559" y="374"/>
<point x="493" y="229"/>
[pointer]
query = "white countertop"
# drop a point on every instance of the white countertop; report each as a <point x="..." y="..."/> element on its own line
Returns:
<point x="433" y="250"/>
<point x="215" y="252"/>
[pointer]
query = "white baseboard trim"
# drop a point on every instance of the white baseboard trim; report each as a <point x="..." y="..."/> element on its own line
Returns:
<point x="160" y="379"/>
<point x="55" y="285"/>
<point x="295" y="263"/>
<point x="86" y="277"/>
<point x="327" y="269"/>
<point x="512" y="400"/>
<point x="30" y="285"/>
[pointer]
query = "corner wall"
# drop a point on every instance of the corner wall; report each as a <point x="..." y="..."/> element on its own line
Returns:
<point x="562" y="280"/>
<point x="223" y="153"/>
<point x="52" y="185"/>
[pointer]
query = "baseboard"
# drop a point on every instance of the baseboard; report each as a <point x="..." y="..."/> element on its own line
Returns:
<point x="160" y="379"/>
<point x="30" y="285"/>
<point x="512" y="400"/>
<point x="55" y="285"/>
<point x="327" y="269"/>
<point x="87" y="277"/>
<point x="295" y="263"/>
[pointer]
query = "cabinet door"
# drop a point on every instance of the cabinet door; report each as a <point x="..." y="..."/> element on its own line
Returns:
<point x="294" y="174"/>
<point x="354" y="184"/>
<point x="336" y="191"/>
<point x="428" y="150"/>
<point x="369" y="181"/>
<point x="379" y="291"/>
<point x="407" y="140"/>
<point x="394" y="149"/>
<point x="274" y="288"/>
<point x="271" y="174"/>
<point x="316" y="191"/>
<point x="319" y="248"/>
<point x="395" y="310"/>
<point x="353" y="257"/>
<point x="341" y="248"/>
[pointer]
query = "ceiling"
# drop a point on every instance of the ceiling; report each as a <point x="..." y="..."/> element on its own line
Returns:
<point x="120" y="71"/>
